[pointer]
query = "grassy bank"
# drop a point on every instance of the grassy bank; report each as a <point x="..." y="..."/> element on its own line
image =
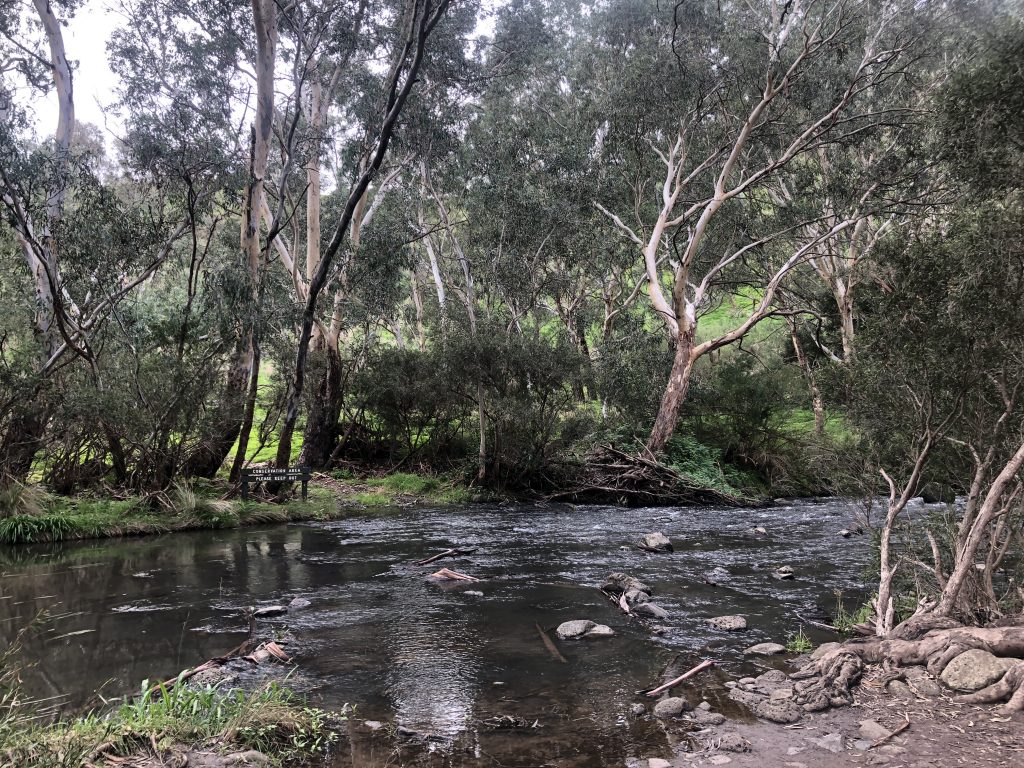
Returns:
<point x="168" y="728"/>
<point x="30" y="515"/>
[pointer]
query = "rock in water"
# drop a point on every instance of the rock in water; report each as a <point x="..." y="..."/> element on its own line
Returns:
<point x="765" y="649"/>
<point x="656" y="542"/>
<point x="728" y="623"/>
<point x="298" y="603"/>
<point x="785" y="573"/>
<point x="269" y="610"/>
<point x="670" y="707"/>
<point x="975" y="669"/>
<point x="570" y="630"/>
<point x="635" y="596"/>
<point x="653" y="610"/>
<point x="573" y="630"/>
<point x="617" y="583"/>
<point x="657" y="762"/>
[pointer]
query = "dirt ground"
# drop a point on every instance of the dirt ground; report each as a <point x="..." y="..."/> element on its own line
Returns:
<point x="940" y="734"/>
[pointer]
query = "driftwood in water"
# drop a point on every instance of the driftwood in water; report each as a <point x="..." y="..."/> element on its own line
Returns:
<point x="446" y="553"/>
<point x="673" y="683"/>
<point x="552" y="649"/>
<point x="609" y="474"/>
<point x="448" y="575"/>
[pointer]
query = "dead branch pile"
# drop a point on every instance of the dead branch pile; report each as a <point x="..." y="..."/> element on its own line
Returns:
<point x="611" y="475"/>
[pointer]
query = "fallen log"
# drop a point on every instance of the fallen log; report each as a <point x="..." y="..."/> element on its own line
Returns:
<point x="446" y="553"/>
<point x="673" y="683"/>
<point x="552" y="648"/>
<point x="446" y="574"/>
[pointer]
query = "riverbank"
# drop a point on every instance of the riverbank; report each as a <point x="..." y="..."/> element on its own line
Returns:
<point x="42" y="517"/>
<point x="203" y="727"/>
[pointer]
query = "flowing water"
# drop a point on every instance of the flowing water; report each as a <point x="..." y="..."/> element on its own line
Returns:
<point x="436" y="665"/>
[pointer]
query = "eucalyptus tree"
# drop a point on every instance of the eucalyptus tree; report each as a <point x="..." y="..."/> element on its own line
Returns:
<point x="85" y="246"/>
<point x="736" y="96"/>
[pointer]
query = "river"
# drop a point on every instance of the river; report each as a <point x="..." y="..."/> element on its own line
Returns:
<point x="430" y="661"/>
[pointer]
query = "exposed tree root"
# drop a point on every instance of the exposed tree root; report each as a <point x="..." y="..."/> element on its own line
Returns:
<point x="933" y="642"/>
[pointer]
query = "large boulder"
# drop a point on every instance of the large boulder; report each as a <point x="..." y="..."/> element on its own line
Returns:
<point x="579" y="628"/>
<point x="617" y="583"/>
<point x="975" y="669"/>
<point x="728" y="623"/>
<point x="656" y="542"/>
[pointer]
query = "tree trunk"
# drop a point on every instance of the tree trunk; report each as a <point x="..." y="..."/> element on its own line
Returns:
<point x="321" y="432"/>
<point x="248" y="415"/>
<point x="817" y="403"/>
<point x="675" y="391"/>
<point x="226" y="421"/>
<point x="22" y="441"/>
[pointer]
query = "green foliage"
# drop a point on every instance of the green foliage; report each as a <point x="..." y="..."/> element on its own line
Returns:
<point x="207" y="512"/>
<point x="799" y="643"/>
<point x="25" y="529"/>
<point x="271" y="720"/>
<point x="21" y="499"/>
<point x="844" y="620"/>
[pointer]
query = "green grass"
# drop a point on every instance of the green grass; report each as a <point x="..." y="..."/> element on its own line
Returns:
<point x="192" y="508"/>
<point x="799" y="643"/>
<point x="271" y="720"/>
<point x="844" y="620"/>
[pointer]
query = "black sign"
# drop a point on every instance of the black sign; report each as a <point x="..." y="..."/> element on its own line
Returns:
<point x="258" y="475"/>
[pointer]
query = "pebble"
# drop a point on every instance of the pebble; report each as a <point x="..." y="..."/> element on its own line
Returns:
<point x="473" y="592"/>
<point x="833" y="742"/>
<point x="719" y="759"/>
<point x="670" y="707"/>
<point x="872" y="730"/>
<point x="657" y="762"/>
<point x="638" y="709"/>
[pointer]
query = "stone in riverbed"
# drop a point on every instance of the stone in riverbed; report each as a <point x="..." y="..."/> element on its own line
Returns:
<point x="833" y="742"/>
<point x="656" y="542"/>
<point x="617" y="583"/>
<point x="635" y="597"/>
<point x="975" y="669"/>
<point x="701" y="717"/>
<point x="728" y="623"/>
<point x="776" y="711"/>
<point x="269" y="610"/>
<point x="573" y="630"/>
<point x="765" y="649"/>
<point x="653" y="610"/>
<point x="657" y="762"/>
<point x="731" y="742"/>
<point x="298" y="603"/>
<point x="670" y="707"/>
<point x="783" y="573"/>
